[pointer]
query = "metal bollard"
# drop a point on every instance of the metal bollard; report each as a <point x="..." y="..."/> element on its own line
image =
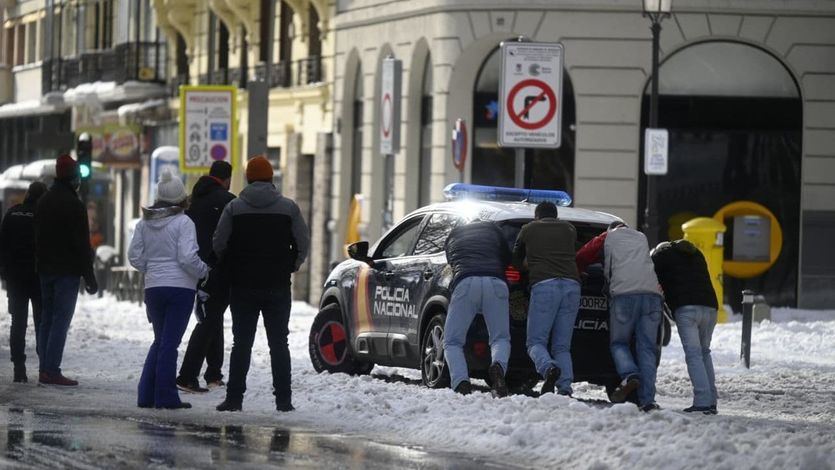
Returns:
<point x="747" y="320"/>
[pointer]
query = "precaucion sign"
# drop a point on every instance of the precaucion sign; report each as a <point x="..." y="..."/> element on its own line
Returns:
<point x="208" y="126"/>
<point x="656" y="142"/>
<point x="530" y="90"/>
<point x="390" y="106"/>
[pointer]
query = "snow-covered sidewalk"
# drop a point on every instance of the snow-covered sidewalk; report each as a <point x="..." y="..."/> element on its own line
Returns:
<point x="778" y="414"/>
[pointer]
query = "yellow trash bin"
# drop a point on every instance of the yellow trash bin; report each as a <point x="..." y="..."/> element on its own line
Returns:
<point x="708" y="236"/>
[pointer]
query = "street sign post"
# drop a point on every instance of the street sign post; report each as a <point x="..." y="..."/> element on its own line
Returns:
<point x="530" y="88"/>
<point x="390" y="90"/>
<point x="656" y="143"/>
<point x="208" y="126"/>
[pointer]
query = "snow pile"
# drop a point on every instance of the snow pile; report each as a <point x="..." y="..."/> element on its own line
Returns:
<point x="778" y="414"/>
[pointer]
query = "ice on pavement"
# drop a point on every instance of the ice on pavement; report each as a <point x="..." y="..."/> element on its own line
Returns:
<point x="778" y="414"/>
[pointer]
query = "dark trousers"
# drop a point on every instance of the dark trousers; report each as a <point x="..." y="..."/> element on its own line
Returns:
<point x="21" y="290"/>
<point x="246" y="304"/>
<point x="58" y="294"/>
<point x="206" y="342"/>
<point x="169" y="309"/>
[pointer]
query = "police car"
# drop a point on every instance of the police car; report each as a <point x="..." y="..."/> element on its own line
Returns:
<point x="387" y="304"/>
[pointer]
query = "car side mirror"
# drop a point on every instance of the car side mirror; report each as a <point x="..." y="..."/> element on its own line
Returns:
<point x="359" y="252"/>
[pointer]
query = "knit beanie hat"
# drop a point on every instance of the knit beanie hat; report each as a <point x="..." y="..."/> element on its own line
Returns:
<point x="65" y="168"/>
<point x="170" y="189"/>
<point x="259" y="169"/>
<point x="221" y="170"/>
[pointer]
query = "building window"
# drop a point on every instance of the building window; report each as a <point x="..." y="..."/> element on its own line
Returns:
<point x="20" y="45"/>
<point x="285" y="33"/>
<point x="8" y="58"/>
<point x="425" y="162"/>
<point x="356" y="150"/>
<point x="314" y="36"/>
<point x="182" y="59"/>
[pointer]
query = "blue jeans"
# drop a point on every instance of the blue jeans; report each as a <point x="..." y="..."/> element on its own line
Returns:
<point x="695" y="325"/>
<point x="552" y="313"/>
<point x="637" y="315"/>
<point x="58" y="295"/>
<point x="169" y="309"/>
<point x="274" y="305"/>
<point x="473" y="295"/>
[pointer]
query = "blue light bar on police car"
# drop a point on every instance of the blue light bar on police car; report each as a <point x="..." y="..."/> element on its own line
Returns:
<point x="458" y="191"/>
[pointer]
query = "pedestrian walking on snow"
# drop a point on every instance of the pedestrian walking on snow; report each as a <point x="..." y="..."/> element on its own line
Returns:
<point x="64" y="256"/>
<point x="164" y="248"/>
<point x="682" y="272"/>
<point x="17" y="265"/>
<point x="634" y="308"/>
<point x="208" y="198"/>
<point x="261" y="240"/>
<point x="478" y="255"/>
<point x="545" y="248"/>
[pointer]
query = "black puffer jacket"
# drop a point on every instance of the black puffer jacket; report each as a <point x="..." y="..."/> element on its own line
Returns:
<point x="682" y="272"/>
<point x="477" y="249"/>
<point x="17" y="241"/>
<point x="62" y="234"/>
<point x="208" y="198"/>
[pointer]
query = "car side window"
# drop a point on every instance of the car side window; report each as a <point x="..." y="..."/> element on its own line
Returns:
<point x="401" y="241"/>
<point x="434" y="234"/>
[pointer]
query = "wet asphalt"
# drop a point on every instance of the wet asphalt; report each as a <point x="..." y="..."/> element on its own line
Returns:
<point x="51" y="439"/>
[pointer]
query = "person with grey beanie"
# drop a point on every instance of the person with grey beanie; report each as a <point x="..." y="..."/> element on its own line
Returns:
<point x="164" y="248"/>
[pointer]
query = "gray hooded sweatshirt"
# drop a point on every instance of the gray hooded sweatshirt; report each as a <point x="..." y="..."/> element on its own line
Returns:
<point x="627" y="265"/>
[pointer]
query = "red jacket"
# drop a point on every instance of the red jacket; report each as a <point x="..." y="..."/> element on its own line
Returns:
<point x="591" y="252"/>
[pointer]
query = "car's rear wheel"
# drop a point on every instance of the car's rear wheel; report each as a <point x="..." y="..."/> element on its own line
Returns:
<point x="433" y="368"/>
<point x="328" y="345"/>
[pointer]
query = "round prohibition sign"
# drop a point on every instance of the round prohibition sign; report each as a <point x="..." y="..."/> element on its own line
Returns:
<point x="544" y="93"/>
<point x="387" y="112"/>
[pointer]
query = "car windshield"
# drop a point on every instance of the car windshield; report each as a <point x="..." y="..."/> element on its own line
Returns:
<point x="585" y="231"/>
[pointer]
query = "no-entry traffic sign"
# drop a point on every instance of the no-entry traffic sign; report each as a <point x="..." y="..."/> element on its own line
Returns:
<point x="530" y="89"/>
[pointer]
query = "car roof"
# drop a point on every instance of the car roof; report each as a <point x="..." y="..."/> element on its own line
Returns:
<point x="498" y="211"/>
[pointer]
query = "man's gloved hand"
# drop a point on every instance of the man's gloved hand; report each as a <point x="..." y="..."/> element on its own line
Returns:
<point x="200" y="302"/>
<point x="90" y="285"/>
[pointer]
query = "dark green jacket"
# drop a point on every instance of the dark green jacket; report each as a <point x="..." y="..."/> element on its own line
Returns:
<point x="548" y="247"/>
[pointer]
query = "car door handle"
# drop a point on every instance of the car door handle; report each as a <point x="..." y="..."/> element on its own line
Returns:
<point x="428" y="274"/>
<point x="388" y="275"/>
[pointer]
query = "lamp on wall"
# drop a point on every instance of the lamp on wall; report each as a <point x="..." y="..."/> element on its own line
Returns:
<point x="655" y="10"/>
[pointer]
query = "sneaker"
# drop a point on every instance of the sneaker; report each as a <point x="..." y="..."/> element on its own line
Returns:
<point x="496" y="374"/>
<point x="284" y="407"/>
<point x="211" y="385"/>
<point x="20" y="373"/>
<point x="551" y="377"/>
<point x="464" y="388"/>
<point x="629" y="385"/>
<point x="650" y="407"/>
<point x="698" y="409"/>
<point x="180" y="406"/>
<point x="228" y="405"/>
<point x="58" y="379"/>
<point x="190" y="386"/>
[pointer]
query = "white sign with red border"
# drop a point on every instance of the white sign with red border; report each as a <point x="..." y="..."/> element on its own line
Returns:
<point x="390" y="93"/>
<point x="530" y="93"/>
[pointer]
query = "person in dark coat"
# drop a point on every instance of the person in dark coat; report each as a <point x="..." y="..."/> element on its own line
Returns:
<point x="261" y="240"/>
<point x="208" y="198"/>
<point x="688" y="291"/>
<point x="17" y="259"/>
<point x="478" y="255"/>
<point x="64" y="256"/>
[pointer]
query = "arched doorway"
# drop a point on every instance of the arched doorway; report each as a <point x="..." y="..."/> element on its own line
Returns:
<point x="734" y="117"/>
<point x="494" y="165"/>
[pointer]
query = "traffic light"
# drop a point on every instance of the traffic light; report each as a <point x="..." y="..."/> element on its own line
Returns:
<point x="84" y="152"/>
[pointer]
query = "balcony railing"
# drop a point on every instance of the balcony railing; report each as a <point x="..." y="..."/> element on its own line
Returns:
<point x="144" y="61"/>
<point x="286" y="74"/>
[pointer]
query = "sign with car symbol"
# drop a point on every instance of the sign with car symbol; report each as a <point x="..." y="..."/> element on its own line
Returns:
<point x="208" y="126"/>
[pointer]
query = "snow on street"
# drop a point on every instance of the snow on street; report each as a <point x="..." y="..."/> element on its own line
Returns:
<point x="778" y="414"/>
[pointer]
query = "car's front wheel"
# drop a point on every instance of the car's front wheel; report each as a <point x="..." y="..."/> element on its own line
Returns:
<point x="328" y="345"/>
<point x="433" y="368"/>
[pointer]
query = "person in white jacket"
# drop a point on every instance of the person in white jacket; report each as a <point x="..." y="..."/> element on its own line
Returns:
<point x="164" y="248"/>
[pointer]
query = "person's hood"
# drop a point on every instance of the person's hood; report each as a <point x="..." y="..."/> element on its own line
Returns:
<point x="260" y="194"/>
<point x="686" y="247"/>
<point x="205" y="185"/>
<point x="157" y="217"/>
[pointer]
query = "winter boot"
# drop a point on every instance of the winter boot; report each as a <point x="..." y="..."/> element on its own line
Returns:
<point x="650" y="407"/>
<point x="213" y="384"/>
<point x="496" y="374"/>
<point x="698" y="409"/>
<point x="551" y="377"/>
<point x="20" y="373"/>
<point x="464" y="388"/>
<point x="190" y="386"/>
<point x="284" y="407"/>
<point x="229" y="405"/>
<point x="626" y="387"/>
<point x="45" y="378"/>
